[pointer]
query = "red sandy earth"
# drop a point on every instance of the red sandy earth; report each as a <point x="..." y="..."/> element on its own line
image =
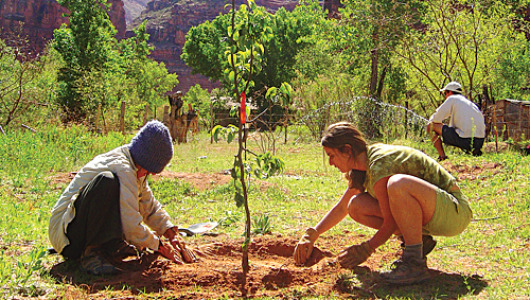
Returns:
<point x="219" y="274"/>
<point x="202" y="181"/>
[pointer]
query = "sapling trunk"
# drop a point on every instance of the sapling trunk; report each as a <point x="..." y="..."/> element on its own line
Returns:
<point x="246" y="243"/>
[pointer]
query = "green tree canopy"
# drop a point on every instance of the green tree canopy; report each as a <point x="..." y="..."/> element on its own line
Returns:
<point x="100" y="71"/>
<point x="205" y="45"/>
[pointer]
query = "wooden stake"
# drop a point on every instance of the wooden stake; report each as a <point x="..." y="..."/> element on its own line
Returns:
<point x="145" y="114"/>
<point x="495" y="127"/>
<point x="406" y="118"/>
<point x="98" y="113"/>
<point x="122" y="118"/>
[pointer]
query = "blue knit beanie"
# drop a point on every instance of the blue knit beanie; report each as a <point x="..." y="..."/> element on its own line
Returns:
<point x="152" y="147"/>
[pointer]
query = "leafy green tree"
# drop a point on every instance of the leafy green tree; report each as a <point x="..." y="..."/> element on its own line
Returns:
<point x="366" y="36"/>
<point x="148" y="80"/>
<point x="87" y="45"/>
<point x="205" y="46"/>
<point x="318" y="59"/>
<point x="200" y="101"/>
<point x="511" y="78"/>
<point x="463" y="41"/>
<point x="206" y="43"/>
<point x="26" y="85"/>
<point x="99" y="70"/>
<point x="368" y="33"/>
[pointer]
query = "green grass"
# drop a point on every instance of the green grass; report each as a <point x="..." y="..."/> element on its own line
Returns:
<point x="491" y="256"/>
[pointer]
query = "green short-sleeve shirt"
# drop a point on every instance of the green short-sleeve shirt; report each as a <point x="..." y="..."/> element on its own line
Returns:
<point x="387" y="160"/>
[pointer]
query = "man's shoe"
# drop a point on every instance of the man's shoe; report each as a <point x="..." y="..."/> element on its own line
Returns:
<point x="95" y="264"/>
<point x="409" y="271"/>
<point x="119" y="249"/>
<point x="428" y="244"/>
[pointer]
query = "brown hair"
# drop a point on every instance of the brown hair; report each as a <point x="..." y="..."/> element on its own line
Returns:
<point x="339" y="135"/>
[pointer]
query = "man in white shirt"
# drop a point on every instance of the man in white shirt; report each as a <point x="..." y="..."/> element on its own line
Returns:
<point x="466" y="129"/>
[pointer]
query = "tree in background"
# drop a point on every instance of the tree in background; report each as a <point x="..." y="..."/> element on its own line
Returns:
<point x="101" y="72"/>
<point x="511" y="78"/>
<point x="205" y="44"/>
<point x="148" y="79"/>
<point x="200" y="101"/>
<point x="367" y="35"/>
<point x="473" y="42"/>
<point x="87" y="45"/>
<point x="26" y="84"/>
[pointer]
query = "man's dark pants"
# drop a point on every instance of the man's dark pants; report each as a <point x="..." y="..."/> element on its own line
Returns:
<point x="451" y="137"/>
<point x="97" y="215"/>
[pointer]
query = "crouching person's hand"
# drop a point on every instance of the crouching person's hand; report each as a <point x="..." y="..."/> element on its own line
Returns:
<point x="179" y="245"/>
<point x="187" y="254"/>
<point x="355" y="255"/>
<point x="304" y="248"/>
<point x="168" y="252"/>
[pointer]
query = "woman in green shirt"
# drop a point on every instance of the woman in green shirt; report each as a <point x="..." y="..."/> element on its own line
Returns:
<point x="396" y="190"/>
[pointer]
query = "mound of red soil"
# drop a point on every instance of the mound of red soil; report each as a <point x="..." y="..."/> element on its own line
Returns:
<point x="272" y="274"/>
<point x="219" y="274"/>
<point x="473" y="172"/>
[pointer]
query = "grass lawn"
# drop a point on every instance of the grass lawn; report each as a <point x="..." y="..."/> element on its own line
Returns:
<point x="490" y="260"/>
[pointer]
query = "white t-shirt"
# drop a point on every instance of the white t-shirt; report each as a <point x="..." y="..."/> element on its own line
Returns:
<point x="466" y="117"/>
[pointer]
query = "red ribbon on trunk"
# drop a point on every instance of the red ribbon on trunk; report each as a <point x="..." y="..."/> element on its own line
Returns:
<point x="243" y="111"/>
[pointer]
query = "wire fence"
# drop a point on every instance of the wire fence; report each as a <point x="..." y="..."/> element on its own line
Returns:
<point x="375" y="119"/>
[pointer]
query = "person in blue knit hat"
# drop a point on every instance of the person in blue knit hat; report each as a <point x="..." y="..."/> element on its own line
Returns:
<point x="108" y="211"/>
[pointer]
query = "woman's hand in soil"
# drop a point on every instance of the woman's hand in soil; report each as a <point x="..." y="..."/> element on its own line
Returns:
<point x="180" y="246"/>
<point x="167" y="251"/>
<point x="355" y="255"/>
<point x="303" y="249"/>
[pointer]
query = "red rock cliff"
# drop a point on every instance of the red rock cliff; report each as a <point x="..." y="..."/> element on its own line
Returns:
<point x="37" y="19"/>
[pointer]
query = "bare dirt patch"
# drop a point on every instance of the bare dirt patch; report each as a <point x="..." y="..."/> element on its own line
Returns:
<point x="272" y="274"/>
<point x="199" y="181"/>
<point x="473" y="172"/>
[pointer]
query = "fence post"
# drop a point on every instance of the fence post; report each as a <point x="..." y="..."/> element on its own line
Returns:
<point x="211" y="121"/>
<point x="406" y="119"/>
<point x="495" y="127"/>
<point x="122" y="118"/>
<point x="145" y="114"/>
<point x="97" y="117"/>
<point x="165" y="117"/>
<point x="520" y="127"/>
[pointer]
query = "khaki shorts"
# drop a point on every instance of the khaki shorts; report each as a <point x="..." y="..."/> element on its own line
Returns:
<point x="451" y="215"/>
